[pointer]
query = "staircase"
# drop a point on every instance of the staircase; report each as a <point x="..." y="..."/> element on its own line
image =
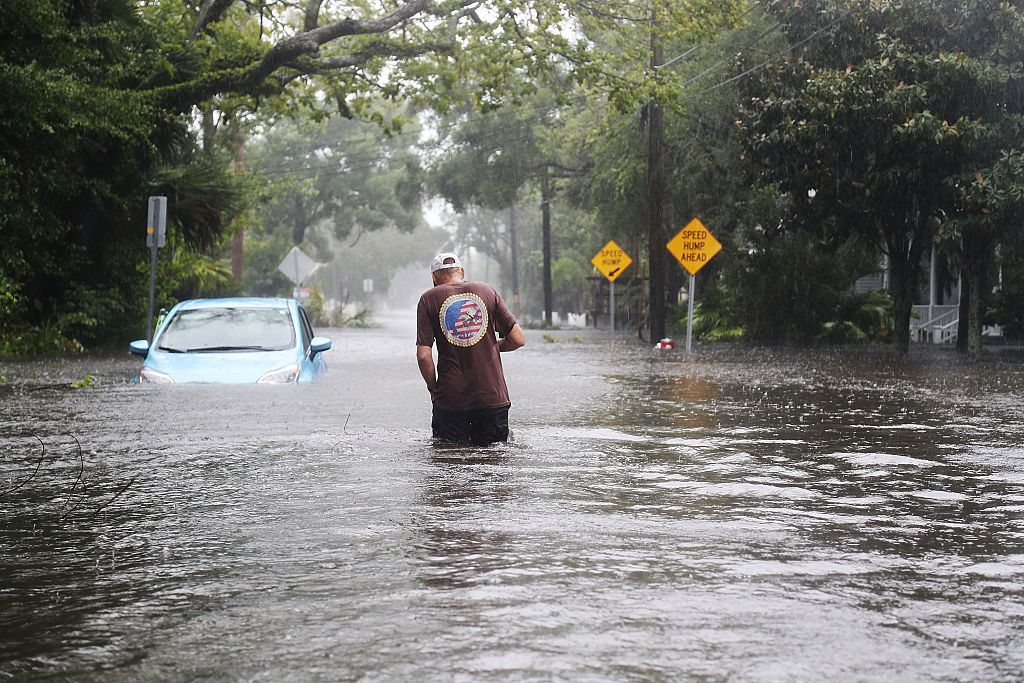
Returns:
<point x="935" y="324"/>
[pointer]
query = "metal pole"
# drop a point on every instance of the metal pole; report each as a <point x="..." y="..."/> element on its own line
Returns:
<point x="546" y="243"/>
<point x="689" y="313"/>
<point x="152" y="291"/>
<point x="611" y="303"/>
<point x="930" y="330"/>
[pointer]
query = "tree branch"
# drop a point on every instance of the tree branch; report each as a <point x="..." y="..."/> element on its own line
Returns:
<point x="351" y="27"/>
<point x="378" y="50"/>
<point x="211" y="11"/>
<point x="312" y="15"/>
<point x="309" y="42"/>
<point x="298" y="52"/>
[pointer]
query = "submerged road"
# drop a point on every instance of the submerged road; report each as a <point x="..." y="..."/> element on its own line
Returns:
<point x="726" y="516"/>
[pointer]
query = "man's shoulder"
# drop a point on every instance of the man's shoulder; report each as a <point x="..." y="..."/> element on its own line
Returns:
<point x="432" y="294"/>
<point x="479" y="287"/>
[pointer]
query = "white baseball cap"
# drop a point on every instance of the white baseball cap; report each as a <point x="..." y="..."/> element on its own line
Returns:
<point x="443" y="261"/>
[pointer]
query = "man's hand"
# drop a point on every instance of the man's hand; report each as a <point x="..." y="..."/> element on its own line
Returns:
<point x="515" y="339"/>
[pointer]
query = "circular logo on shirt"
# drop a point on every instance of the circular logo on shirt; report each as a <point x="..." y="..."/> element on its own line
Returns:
<point x="463" y="319"/>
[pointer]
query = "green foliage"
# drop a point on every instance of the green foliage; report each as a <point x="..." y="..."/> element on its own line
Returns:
<point x="841" y="333"/>
<point x="99" y="106"/>
<point x="491" y="157"/>
<point x="710" y="324"/>
<point x="88" y="312"/>
<point x="787" y="287"/>
<point x="82" y="146"/>
<point x="860" y="319"/>
<point x="1007" y="305"/>
<point x="569" y="279"/>
<point x="339" y="175"/>
<point x="904" y="117"/>
<point x="45" y="340"/>
<point x="202" y="195"/>
<point x="362" y="318"/>
<point x="86" y="382"/>
<point x="188" y="274"/>
<point x="614" y="55"/>
<point x="8" y="298"/>
<point x="894" y="129"/>
<point x="314" y="306"/>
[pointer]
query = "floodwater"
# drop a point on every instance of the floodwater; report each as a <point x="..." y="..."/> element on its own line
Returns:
<point x="725" y="516"/>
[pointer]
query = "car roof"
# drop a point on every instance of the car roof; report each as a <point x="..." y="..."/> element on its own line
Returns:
<point x="236" y="302"/>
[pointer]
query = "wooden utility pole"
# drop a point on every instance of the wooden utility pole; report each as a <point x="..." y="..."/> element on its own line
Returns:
<point x="513" y="245"/>
<point x="656" y="195"/>
<point x="545" y="206"/>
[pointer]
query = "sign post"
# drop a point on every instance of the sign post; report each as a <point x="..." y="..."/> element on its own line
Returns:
<point x="156" y="237"/>
<point x="296" y="266"/>
<point x="611" y="261"/>
<point x="693" y="247"/>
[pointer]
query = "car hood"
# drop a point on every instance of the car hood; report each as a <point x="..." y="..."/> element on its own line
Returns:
<point x="223" y="367"/>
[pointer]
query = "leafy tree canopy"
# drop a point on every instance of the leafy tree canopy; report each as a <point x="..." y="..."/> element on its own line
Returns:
<point x="884" y="144"/>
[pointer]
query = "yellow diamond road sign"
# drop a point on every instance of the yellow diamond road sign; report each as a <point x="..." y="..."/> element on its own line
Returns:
<point x="611" y="260"/>
<point x="694" y="246"/>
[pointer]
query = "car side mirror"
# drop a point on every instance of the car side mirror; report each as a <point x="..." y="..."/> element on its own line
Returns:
<point x="140" y="347"/>
<point x="318" y="345"/>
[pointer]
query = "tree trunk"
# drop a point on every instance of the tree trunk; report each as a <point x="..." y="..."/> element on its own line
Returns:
<point x="901" y="287"/>
<point x="963" y="308"/>
<point x="977" y="249"/>
<point x="906" y="249"/>
<point x="974" y="315"/>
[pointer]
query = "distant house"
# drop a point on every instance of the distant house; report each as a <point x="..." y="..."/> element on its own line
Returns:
<point x="936" y="311"/>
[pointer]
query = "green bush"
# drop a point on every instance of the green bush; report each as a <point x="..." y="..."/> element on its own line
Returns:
<point x="788" y="286"/>
<point x="860" y="319"/>
<point x="711" y="324"/>
<point x="314" y="306"/>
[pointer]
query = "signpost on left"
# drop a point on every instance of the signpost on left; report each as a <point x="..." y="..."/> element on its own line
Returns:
<point x="611" y="261"/>
<point x="156" y="237"/>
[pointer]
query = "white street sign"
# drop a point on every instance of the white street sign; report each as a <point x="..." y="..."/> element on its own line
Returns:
<point x="297" y="266"/>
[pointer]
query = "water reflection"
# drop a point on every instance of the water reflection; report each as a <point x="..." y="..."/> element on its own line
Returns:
<point x="461" y="486"/>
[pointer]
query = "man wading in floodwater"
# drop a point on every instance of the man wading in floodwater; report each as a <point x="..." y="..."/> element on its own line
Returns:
<point x="468" y="386"/>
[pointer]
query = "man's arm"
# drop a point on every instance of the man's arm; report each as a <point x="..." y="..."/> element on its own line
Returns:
<point x="515" y="339"/>
<point x="425" y="359"/>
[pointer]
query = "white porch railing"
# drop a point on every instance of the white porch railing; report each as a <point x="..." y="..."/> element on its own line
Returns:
<point x="935" y="324"/>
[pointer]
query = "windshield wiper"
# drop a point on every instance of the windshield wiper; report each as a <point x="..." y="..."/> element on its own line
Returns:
<point x="171" y="349"/>
<point x="202" y="349"/>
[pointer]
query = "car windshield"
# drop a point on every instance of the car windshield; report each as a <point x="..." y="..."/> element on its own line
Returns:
<point x="229" y="329"/>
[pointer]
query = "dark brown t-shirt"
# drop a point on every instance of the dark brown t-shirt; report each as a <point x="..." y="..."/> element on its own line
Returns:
<point x="463" y="318"/>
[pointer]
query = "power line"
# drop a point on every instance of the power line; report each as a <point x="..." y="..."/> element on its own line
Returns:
<point x="697" y="46"/>
<point x="789" y="49"/>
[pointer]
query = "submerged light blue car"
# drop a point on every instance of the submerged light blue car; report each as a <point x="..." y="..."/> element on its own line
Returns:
<point x="233" y="340"/>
